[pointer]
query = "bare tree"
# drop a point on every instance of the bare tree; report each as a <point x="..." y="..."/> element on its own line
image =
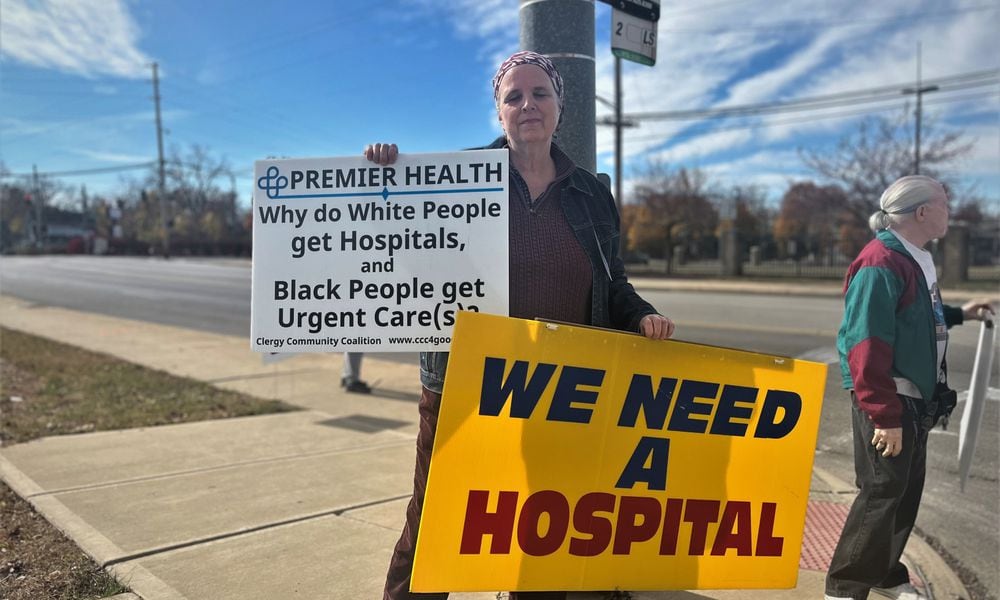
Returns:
<point x="814" y="218"/>
<point x="196" y="179"/>
<point x="880" y="151"/>
<point x="201" y="201"/>
<point x="674" y="206"/>
<point x="752" y="217"/>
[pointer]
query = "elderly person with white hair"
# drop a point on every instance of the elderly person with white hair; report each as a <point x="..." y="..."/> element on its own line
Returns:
<point x="892" y="344"/>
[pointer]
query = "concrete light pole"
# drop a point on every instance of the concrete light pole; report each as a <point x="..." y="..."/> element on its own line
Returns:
<point x="563" y="30"/>
<point x="618" y="123"/>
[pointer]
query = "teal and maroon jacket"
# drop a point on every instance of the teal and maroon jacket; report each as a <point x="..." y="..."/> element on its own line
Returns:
<point x="888" y="329"/>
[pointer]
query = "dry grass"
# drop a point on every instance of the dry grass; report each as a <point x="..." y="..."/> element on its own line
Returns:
<point x="48" y="388"/>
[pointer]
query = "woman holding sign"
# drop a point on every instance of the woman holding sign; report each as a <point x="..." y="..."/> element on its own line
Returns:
<point x="564" y="258"/>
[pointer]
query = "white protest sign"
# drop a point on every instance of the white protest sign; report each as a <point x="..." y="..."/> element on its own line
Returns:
<point x="352" y="256"/>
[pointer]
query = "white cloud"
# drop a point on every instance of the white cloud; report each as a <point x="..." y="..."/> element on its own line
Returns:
<point x="105" y="90"/>
<point x="728" y="53"/>
<point x="701" y="148"/>
<point x="776" y="82"/>
<point x="688" y="77"/>
<point x="772" y="171"/>
<point x="760" y="167"/>
<point x="84" y="37"/>
<point x="113" y="157"/>
<point x="96" y="128"/>
<point x="981" y="166"/>
<point x="12" y="127"/>
<point x="951" y="45"/>
<point x="495" y="23"/>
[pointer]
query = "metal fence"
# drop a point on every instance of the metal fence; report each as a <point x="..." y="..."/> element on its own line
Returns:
<point x="784" y="268"/>
<point x="978" y="261"/>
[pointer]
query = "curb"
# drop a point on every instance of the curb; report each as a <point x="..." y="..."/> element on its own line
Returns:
<point x="90" y="541"/>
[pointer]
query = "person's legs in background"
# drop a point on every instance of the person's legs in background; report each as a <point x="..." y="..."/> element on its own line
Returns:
<point x="351" y="378"/>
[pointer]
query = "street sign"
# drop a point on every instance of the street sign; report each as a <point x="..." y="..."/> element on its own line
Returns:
<point x="634" y="38"/>
<point x="647" y="10"/>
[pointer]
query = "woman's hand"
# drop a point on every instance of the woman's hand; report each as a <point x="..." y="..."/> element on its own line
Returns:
<point x="383" y="154"/>
<point x="656" y="327"/>
<point x="977" y="309"/>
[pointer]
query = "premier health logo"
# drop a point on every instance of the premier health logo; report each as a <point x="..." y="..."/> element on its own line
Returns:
<point x="348" y="179"/>
<point x="272" y="183"/>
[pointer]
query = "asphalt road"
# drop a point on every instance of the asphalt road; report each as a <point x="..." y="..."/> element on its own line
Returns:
<point x="214" y="295"/>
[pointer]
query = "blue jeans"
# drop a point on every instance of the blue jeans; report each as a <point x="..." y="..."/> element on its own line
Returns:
<point x="883" y="514"/>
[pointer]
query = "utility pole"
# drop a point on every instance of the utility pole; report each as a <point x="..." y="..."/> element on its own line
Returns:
<point x="618" y="123"/>
<point x="563" y="30"/>
<point x="36" y="191"/>
<point x="919" y="91"/>
<point x="161" y="183"/>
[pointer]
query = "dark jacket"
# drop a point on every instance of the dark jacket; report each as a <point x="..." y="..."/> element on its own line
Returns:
<point x="590" y="210"/>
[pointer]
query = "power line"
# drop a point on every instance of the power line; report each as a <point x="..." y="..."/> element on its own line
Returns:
<point x="775" y="123"/>
<point x="665" y="137"/>
<point x="953" y="83"/>
<point x="66" y="124"/>
<point x="672" y="12"/>
<point x="258" y="43"/>
<point x="94" y="171"/>
<point x="234" y="113"/>
<point x="876" y="95"/>
<point x="36" y="92"/>
<point x="98" y="170"/>
<point x="69" y="79"/>
<point x="787" y="25"/>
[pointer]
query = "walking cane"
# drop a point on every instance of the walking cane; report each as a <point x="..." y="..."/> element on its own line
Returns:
<point x="972" y="416"/>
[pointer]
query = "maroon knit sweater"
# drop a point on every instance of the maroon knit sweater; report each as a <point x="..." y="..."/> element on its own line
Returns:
<point x="550" y="274"/>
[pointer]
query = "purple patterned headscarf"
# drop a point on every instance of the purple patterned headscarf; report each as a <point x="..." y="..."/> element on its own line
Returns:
<point x="527" y="57"/>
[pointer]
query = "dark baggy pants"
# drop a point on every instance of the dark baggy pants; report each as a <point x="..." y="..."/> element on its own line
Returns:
<point x="397" y="581"/>
<point x="885" y="510"/>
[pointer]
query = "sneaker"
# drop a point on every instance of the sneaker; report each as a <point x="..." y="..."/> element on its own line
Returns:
<point x="356" y="387"/>
<point x="829" y="597"/>
<point x="903" y="591"/>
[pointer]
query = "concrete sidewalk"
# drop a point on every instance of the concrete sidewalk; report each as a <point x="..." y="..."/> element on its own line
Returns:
<point x="306" y="504"/>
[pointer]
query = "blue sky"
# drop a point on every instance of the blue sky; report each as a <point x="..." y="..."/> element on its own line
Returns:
<point x="248" y="80"/>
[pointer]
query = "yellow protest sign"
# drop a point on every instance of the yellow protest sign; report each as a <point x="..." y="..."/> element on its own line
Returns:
<point x="572" y="458"/>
